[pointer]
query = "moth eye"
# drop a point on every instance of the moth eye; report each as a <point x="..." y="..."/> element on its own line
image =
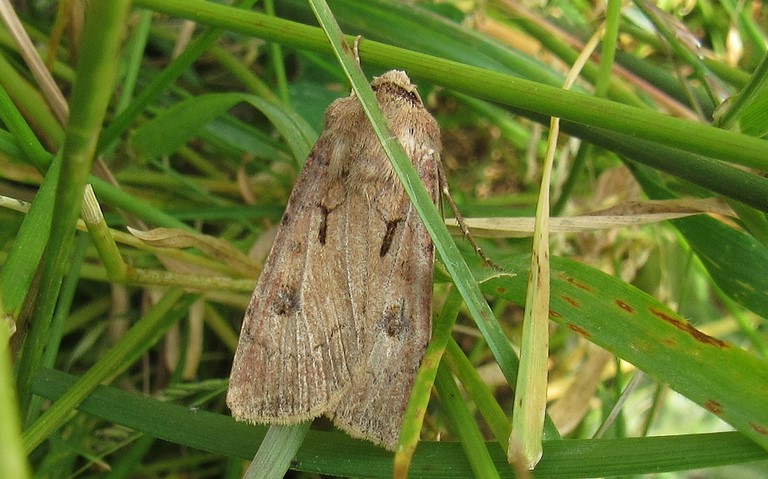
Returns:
<point x="389" y="235"/>
<point x="287" y="301"/>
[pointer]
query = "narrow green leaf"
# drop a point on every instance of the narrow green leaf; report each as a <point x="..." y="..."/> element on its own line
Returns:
<point x="162" y="81"/>
<point x="23" y="134"/>
<point x="23" y="259"/>
<point x="491" y="85"/>
<point x="173" y="127"/>
<point x="747" y="108"/>
<point x="737" y="262"/>
<point x="135" y="342"/>
<point x="31" y="101"/>
<point x="276" y="451"/>
<point x="90" y="97"/>
<point x="639" y="329"/>
<point x="408" y="26"/>
<point x="165" y="133"/>
<point x="422" y="386"/>
<point x="465" y="427"/>
<point x="479" y="392"/>
<point x="13" y="460"/>
<point x="338" y="454"/>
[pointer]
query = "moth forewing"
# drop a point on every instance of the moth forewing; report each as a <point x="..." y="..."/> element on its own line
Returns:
<point x="341" y="315"/>
<point x="374" y="407"/>
<point x="291" y="360"/>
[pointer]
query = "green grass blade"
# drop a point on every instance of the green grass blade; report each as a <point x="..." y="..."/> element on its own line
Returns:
<point x="422" y="386"/>
<point x="170" y="129"/>
<point x="31" y="101"/>
<point x="416" y="29"/>
<point x="276" y="452"/>
<point x="13" y="460"/>
<point x="636" y="327"/>
<point x="713" y="175"/>
<point x="724" y="251"/>
<point x="161" y="82"/>
<point x="338" y="454"/>
<point x="90" y="97"/>
<point x="22" y="132"/>
<point x="499" y="87"/>
<point x="18" y="270"/>
<point x="135" y="342"/>
<point x="746" y="110"/>
<point x="465" y="426"/>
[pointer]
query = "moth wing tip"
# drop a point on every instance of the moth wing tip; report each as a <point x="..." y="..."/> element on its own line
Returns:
<point x="386" y="439"/>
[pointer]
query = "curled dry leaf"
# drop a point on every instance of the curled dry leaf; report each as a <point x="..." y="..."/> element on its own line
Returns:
<point x="210" y="246"/>
<point x="631" y="213"/>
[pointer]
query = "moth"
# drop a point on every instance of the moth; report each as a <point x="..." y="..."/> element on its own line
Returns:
<point x="341" y="314"/>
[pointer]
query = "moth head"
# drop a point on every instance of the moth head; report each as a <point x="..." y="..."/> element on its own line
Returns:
<point x="396" y="84"/>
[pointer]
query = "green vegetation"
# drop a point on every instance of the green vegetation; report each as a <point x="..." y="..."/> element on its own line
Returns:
<point x="121" y="326"/>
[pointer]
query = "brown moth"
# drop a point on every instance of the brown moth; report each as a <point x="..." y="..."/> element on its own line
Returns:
<point x="341" y="314"/>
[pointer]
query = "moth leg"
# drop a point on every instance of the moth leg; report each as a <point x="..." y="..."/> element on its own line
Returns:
<point x="460" y="219"/>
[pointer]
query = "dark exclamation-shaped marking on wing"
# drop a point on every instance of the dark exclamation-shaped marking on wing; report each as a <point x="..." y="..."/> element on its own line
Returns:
<point x="323" y="230"/>
<point x="389" y="235"/>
